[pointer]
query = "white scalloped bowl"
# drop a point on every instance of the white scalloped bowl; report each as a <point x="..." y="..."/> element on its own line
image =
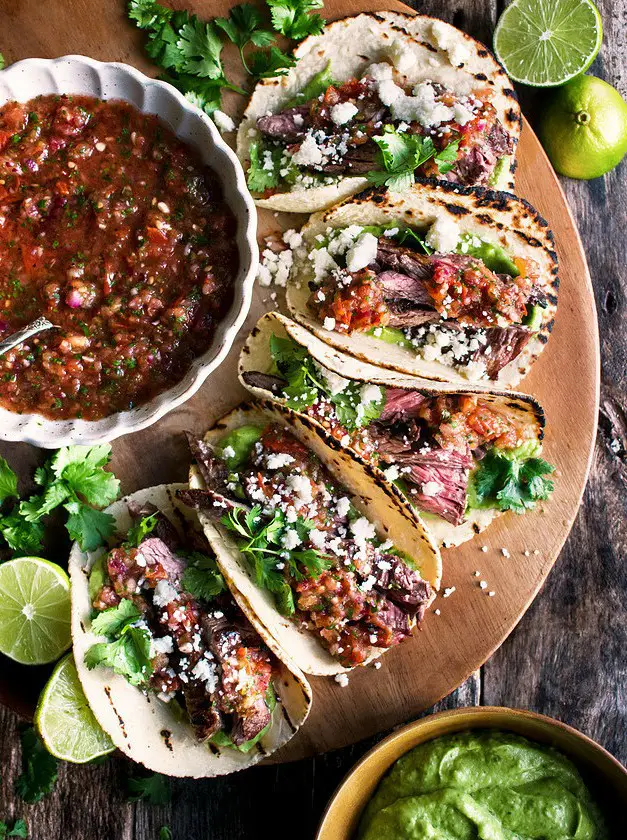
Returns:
<point x="75" y="74"/>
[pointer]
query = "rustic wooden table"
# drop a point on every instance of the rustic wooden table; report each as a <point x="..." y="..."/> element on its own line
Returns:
<point x="568" y="656"/>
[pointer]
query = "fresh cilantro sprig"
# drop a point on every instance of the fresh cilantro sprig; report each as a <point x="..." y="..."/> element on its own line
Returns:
<point x="511" y="479"/>
<point x="401" y="154"/>
<point x="261" y="541"/>
<point x="39" y="768"/>
<point x="139" y="530"/>
<point x="127" y="649"/>
<point x="243" y="27"/>
<point x="294" y="18"/>
<point x="305" y="384"/>
<point x="153" y="789"/>
<point x="19" y="827"/>
<point x="73" y="478"/>
<point x="202" y="577"/>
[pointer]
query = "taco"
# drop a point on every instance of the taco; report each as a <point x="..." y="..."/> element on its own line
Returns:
<point x="461" y="457"/>
<point x="336" y="566"/>
<point x="170" y="666"/>
<point x="372" y="99"/>
<point x="440" y="282"/>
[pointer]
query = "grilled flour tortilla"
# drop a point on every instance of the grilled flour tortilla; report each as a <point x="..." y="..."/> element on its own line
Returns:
<point x="442" y="282"/>
<point x="440" y="446"/>
<point x="306" y="137"/>
<point x="331" y="561"/>
<point x="220" y="698"/>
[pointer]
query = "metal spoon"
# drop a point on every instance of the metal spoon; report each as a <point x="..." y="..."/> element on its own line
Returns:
<point x="36" y="326"/>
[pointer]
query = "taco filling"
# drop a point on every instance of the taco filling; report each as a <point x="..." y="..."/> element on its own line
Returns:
<point x="452" y="298"/>
<point x="449" y="453"/>
<point x="173" y="629"/>
<point x="382" y="126"/>
<point x="307" y="544"/>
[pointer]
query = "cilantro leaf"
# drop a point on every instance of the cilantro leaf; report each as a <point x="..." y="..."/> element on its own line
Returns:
<point x="260" y="178"/>
<point x="315" y="87"/>
<point x="305" y="382"/>
<point x="293" y="18"/>
<point x="261" y="543"/>
<point x="511" y="479"/>
<point x="242" y="27"/>
<point x="81" y="468"/>
<point x="39" y="768"/>
<point x="272" y="62"/>
<point x="202" y="577"/>
<point x="22" y="537"/>
<point x="401" y="154"/>
<point x="153" y="789"/>
<point x="38" y="506"/>
<point x="128" y="655"/>
<point x="165" y="833"/>
<point x="112" y="622"/>
<point x="18" y="829"/>
<point x="8" y="481"/>
<point x="148" y="14"/>
<point x="90" y="528"/>
<point x="200" y="46"/>
<point x="2" y="62"/>
<point x="447" y="158"/>
<point x="139" y="530"/>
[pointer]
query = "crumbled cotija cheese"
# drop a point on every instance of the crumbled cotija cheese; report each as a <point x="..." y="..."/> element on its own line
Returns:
<point x="223" y="121"/>
<point x="362" y="253"/>
<point x="443" y="235"/>
<point x="343" y="112"/>
<point x="309" y="153"/>
<point x="336" y="383"/>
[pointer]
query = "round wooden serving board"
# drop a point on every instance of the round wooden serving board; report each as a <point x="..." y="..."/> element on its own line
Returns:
<point x="471" y="624"/>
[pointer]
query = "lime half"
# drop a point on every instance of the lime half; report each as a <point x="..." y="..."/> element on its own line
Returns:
<point x="34" y="610"/>
<point x="547" y="42"/>
<point x="64" y="720"/>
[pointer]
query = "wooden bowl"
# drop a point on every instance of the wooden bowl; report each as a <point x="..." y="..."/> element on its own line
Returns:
<point x="604" y="775"/>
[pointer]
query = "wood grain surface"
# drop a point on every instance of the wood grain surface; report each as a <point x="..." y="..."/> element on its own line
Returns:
<point x="567" y="657"/>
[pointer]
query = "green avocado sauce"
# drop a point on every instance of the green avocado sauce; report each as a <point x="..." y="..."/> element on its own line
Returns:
<point x="482" y="784"/>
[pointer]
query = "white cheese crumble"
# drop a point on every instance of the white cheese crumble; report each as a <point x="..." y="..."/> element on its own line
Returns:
<point x="447" y="40"/>
<point x="362" y="253"/>
<point x="336" y="383"/>
<point x="341" y="680"/>
<point x="274" y="461"/>
<point x="329" y="324"/>
<point x="223" y="121"/>
<point x="205" y="671"/>
<point x="301" y="487"/>
<point x="402" y="56"/>
<point x="362" y="529"/>
<point x="318" y="538"/>
<point x="343" y="506"/>
<point x="228" y="452"/>
<point x="291" y="539"/>
<point x="343" y="112"/>
<point x="309" y="153"/>
<point x="391" y="473"/>
<point x="432" y="488"/>
<point x="443" y="235"/>
<point x="164" y="594"/>
<point x="162" y="645"/>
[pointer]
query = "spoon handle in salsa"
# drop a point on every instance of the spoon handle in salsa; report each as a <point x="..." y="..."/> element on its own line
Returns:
<point x="18" y="337"/>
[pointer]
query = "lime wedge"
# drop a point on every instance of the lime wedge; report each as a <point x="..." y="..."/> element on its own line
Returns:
<point x="34" y="610"/>
<point x="64" y="720"/>
<point x="547" y="42"/>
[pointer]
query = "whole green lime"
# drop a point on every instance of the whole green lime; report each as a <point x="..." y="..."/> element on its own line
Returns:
<point x="584" y="128"/>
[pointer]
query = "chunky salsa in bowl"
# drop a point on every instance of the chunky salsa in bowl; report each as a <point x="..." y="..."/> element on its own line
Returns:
<point x="116" y="226"/>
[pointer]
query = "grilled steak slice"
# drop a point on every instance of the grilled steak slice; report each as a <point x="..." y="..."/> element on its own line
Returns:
<point x="212" y="469"/>
<point x="157" y="553"/>
<point x="505" y="343"/>
<point x="236" y="651"/>
<point x="204" y="715"/>
<point x="358" y="160"/>
<point x="401" y="404"/>
<point x="285" y="126"/>
<point x="537" y="296"/>
<point x="391" y="616"/>
<point x="405" y="287"/>
<point x="403" y="586"/>
<point x="405" y="314"/>
<point x="256" y="379"/>
<point x="394" y="442"/>
<point x="391" y="255"/>
<point x="443" y="474"/>
<point x="215" y="505"/>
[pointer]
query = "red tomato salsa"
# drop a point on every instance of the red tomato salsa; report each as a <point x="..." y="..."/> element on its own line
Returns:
<point x="115" y="231"/>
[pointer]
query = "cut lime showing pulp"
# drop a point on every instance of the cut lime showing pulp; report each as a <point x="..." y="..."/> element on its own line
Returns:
<point x="34" y="610"/>
<point x="64" y="720"/>
<point x="547" y="42"/>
